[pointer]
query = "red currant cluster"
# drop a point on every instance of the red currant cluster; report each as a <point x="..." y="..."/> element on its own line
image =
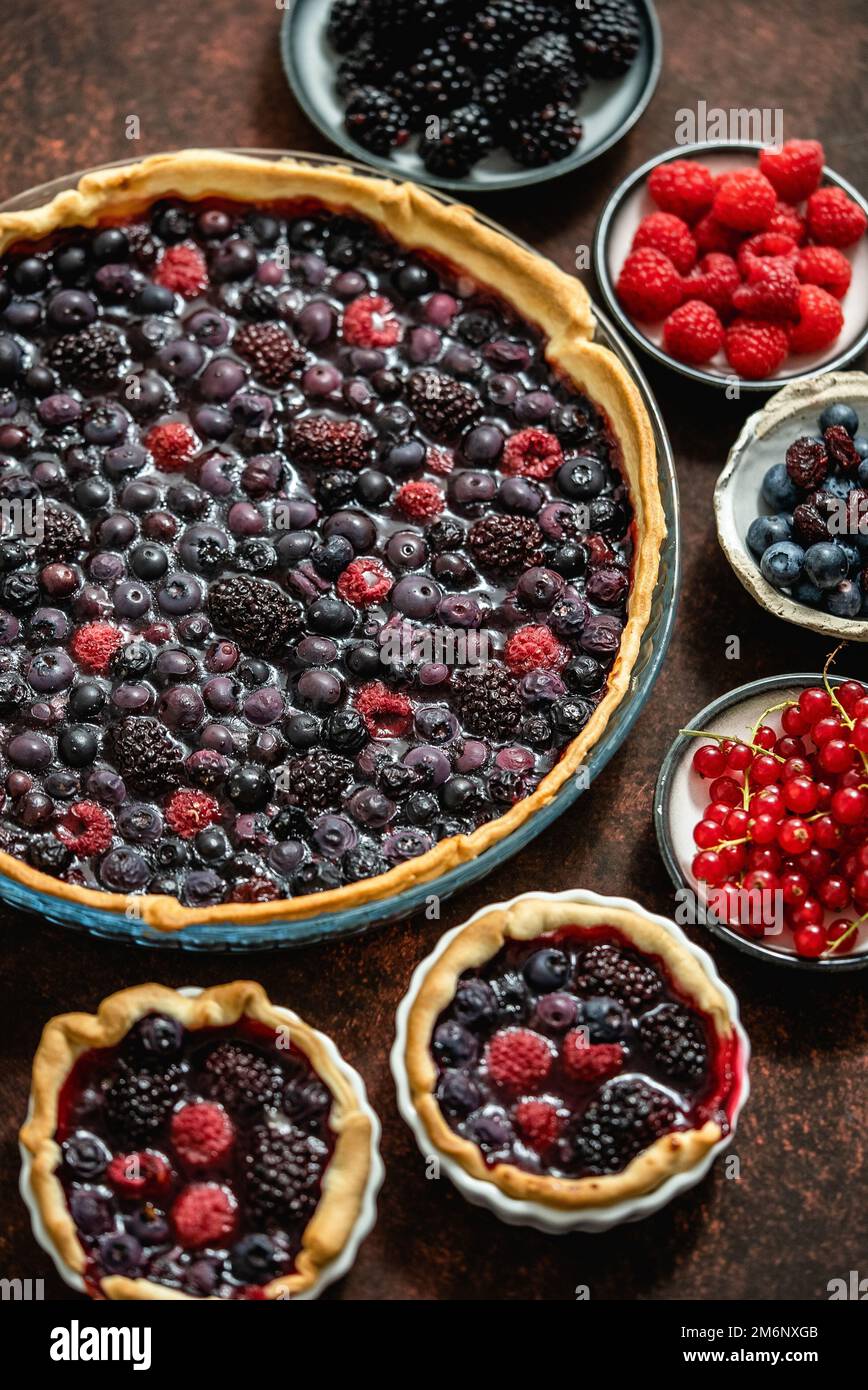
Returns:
<point x="787" y="820"/>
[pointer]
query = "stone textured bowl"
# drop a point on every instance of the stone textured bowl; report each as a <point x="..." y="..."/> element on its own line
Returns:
<point x="737" y="499"/>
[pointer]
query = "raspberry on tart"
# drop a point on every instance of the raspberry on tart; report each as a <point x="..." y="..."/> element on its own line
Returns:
<point x="306" y="450"/>
<point x="205" y="1147"/>
<point x="582" y="1056"/>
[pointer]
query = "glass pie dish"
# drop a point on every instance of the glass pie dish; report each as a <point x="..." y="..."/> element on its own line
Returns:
<point x="266" y="926"/>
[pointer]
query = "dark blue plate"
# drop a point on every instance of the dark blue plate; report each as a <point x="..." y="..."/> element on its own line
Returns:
<point x="607" y="109"/>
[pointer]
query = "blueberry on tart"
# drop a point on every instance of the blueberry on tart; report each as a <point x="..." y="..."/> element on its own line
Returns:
<point x="196" y="1147"/>
<point x="348" y="533"/>
<point x="573" y="1055"/>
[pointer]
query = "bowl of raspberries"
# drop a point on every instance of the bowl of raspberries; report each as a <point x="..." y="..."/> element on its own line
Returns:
<point x="738" y="264"/>
<point x="791" y="505"/>
<point x="473" y="93"/>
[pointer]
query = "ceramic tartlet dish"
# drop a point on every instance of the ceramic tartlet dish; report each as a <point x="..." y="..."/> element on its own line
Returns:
<point x="762" y="443"/>
<point x="661" y="972"/>
<point x="124" y="1210"/>
<point x="559" y="306"/>
<point x="613" y="238"/>
<point x="681" y="795"/>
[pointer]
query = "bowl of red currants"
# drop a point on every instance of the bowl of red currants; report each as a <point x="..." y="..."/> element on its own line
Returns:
<point x="761" y="812"/>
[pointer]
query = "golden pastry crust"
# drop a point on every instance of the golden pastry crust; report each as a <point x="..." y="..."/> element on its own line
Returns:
<point x="67" y="1036"/>
<point x="555" y="302"/>
<point x="471" y="948"/>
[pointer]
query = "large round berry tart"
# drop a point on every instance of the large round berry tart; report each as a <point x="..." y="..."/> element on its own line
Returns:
<point x="571" y="1053"/>
<point x="197" y="1145"/>
<point x="344" y="537"/>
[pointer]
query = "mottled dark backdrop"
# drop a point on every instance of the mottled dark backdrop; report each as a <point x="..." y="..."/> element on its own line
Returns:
<point x="74" y="70"/>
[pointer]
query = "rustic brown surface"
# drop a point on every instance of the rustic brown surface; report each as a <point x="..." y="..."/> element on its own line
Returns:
<point x="210" y="73"/>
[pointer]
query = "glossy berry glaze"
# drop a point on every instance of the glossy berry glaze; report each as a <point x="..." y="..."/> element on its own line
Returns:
<point x="568" y="1055"/>
<point x="271" y="451"/>
<point x="193" y="1159"/>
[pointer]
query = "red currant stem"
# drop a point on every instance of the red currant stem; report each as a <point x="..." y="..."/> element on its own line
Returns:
<point x="727" y="844"/>
<point x="724" y="738"/>
<point x="772" y="709"/>
<point x="830" y="691"/>
<point x="851" y="931"/>
<point x="845" y="718"/>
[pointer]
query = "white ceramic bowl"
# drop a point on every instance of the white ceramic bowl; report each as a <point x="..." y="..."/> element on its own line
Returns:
<point x="681" y="796"/>
<point x="365" y="1221"/>
<point x="613" y="239"/>
<point x="528" y="1213"/>
<point x="764" y="441"/>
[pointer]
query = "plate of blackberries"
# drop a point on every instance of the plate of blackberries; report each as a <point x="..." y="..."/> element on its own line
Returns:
<point x="467" y="94"/>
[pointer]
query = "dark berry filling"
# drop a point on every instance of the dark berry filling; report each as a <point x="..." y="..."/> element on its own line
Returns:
<point x="293" y="488"/>
<point x="194" y="1159"/>
<point x="568" y="1059"/>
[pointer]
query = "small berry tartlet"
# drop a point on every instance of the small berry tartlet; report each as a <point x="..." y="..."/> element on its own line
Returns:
<point x="204" y="1145"/>
<point x="565" y="1056"/>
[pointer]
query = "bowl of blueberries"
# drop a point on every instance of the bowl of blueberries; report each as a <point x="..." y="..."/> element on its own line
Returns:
<point x="791" y="505"/>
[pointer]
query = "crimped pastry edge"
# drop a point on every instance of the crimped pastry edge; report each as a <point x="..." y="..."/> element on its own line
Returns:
<point x="67" y="1036"/>
<point x="555" y="302"/>
<point x="477" y="943"/>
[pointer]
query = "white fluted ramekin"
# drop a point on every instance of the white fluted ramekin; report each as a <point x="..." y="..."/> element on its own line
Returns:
<point x="365" y="1221"/>
<point x="516" y="1212"/>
